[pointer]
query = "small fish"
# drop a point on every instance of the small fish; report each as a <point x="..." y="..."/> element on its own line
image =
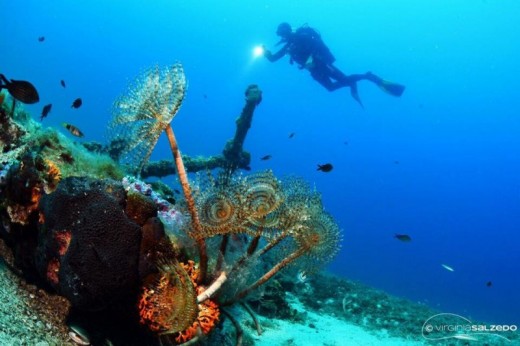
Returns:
<point x="291" y="135"/>
<point x="447" y="267"/>
<point x="41" y="38"/>
<point x="176" y="191"/>
<point x="73" y="130"/>
<point x="46" y="110"/>
<point x="205" y="96"/>
<point x="325" y="168"/>
<point x="62" y="82"/>
<point x="396" y="162"/>
<point x="247" y="168"/>
<point x="20" y="90"/>
<point x="345" y="142"/>
<point x="265" y="158"/>
<point x="464" y="337"/>
<point x="403" y="237"/>
<point x="489" y="284"/>
<point x="77" y="103"/>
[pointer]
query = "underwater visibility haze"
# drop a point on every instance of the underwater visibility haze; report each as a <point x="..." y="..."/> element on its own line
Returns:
<point x="425" y="187"/>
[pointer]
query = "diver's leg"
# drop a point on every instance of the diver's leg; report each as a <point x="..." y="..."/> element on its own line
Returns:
<point x="357" y="77"/>
<point x="322" y="77"/>
<point x="391" y="88"/>
<point x="344" y="80"/>
<point x="327" y="73"/>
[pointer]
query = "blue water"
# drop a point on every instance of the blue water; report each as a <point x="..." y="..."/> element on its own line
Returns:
<point x="441" y="163"/>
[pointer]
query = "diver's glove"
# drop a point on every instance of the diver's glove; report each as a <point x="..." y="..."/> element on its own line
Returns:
<point x="267" y="52"/>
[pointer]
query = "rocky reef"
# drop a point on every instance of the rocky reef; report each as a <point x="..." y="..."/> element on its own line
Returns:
<point x="131" y="263"/>
<point x="91" y="254"/>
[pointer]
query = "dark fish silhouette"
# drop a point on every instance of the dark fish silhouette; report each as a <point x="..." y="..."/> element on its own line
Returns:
<point x="41" y="38"/>
<point x="291" y="135"/>
<point x="62" y="82"/>
<point x="489" y="284"/>
<point x="46" y="110"/>
<point x="325" y="168"/>
<point x="77" y="103"/>
<point x="20" y="90"/>
<point x="403" y="237"/>
<point x="73" y="130"/>
<point x="265" y="158"/>
<point x="176" y="191"/>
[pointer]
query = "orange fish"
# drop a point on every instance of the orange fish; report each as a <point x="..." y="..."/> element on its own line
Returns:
<point x="73" y="130"/>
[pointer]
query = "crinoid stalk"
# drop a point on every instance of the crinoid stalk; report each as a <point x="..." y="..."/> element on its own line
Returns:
<point x="141" y="114"/>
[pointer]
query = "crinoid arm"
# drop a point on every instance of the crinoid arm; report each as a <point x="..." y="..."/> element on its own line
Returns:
<point x="145" y="110"/>
<point x="296" y="231"/>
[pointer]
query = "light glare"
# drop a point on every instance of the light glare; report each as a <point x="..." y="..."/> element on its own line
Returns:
<point x="258" y="51"/>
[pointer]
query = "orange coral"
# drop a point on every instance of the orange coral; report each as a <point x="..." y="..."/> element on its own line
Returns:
<point x="168" y="302"/>
<point x="206" y="321"/>
<point x="53" y="269"/>
<point x="52" y="178"/>
<point x="63" y="240"/>
<point x="20" y="213"/>
<point x="192" y="271"/>
<point x="162" y="298"/>
<point x="209" y="312"/>
<point x="148" y="306"/>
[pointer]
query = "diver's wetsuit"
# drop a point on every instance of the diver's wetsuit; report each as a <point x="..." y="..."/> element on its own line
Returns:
<point x="310" y="55"/>
<point x="305" y="47"/>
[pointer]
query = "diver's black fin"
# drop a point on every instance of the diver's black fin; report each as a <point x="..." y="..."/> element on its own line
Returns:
<point x="354" y="94"/>
<point x="391" y="88"/>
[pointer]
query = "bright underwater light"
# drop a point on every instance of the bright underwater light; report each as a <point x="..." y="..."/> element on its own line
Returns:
<point x="258" y="51"/>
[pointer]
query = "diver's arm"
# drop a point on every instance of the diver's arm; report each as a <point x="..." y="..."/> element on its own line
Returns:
<point x="276" y="56"/>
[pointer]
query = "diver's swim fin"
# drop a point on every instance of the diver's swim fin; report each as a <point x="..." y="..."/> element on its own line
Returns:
<point x="354" y="94"/>
<point x="391" y="88"/>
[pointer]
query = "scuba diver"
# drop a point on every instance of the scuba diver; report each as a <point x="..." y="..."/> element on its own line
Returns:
<point x="305" y="47"/>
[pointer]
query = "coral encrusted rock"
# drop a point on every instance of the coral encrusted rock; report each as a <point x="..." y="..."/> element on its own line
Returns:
<point x="88" y="248"/>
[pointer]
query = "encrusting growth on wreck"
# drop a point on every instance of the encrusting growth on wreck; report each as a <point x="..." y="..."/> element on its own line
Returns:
<point x="154" y="267"/>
